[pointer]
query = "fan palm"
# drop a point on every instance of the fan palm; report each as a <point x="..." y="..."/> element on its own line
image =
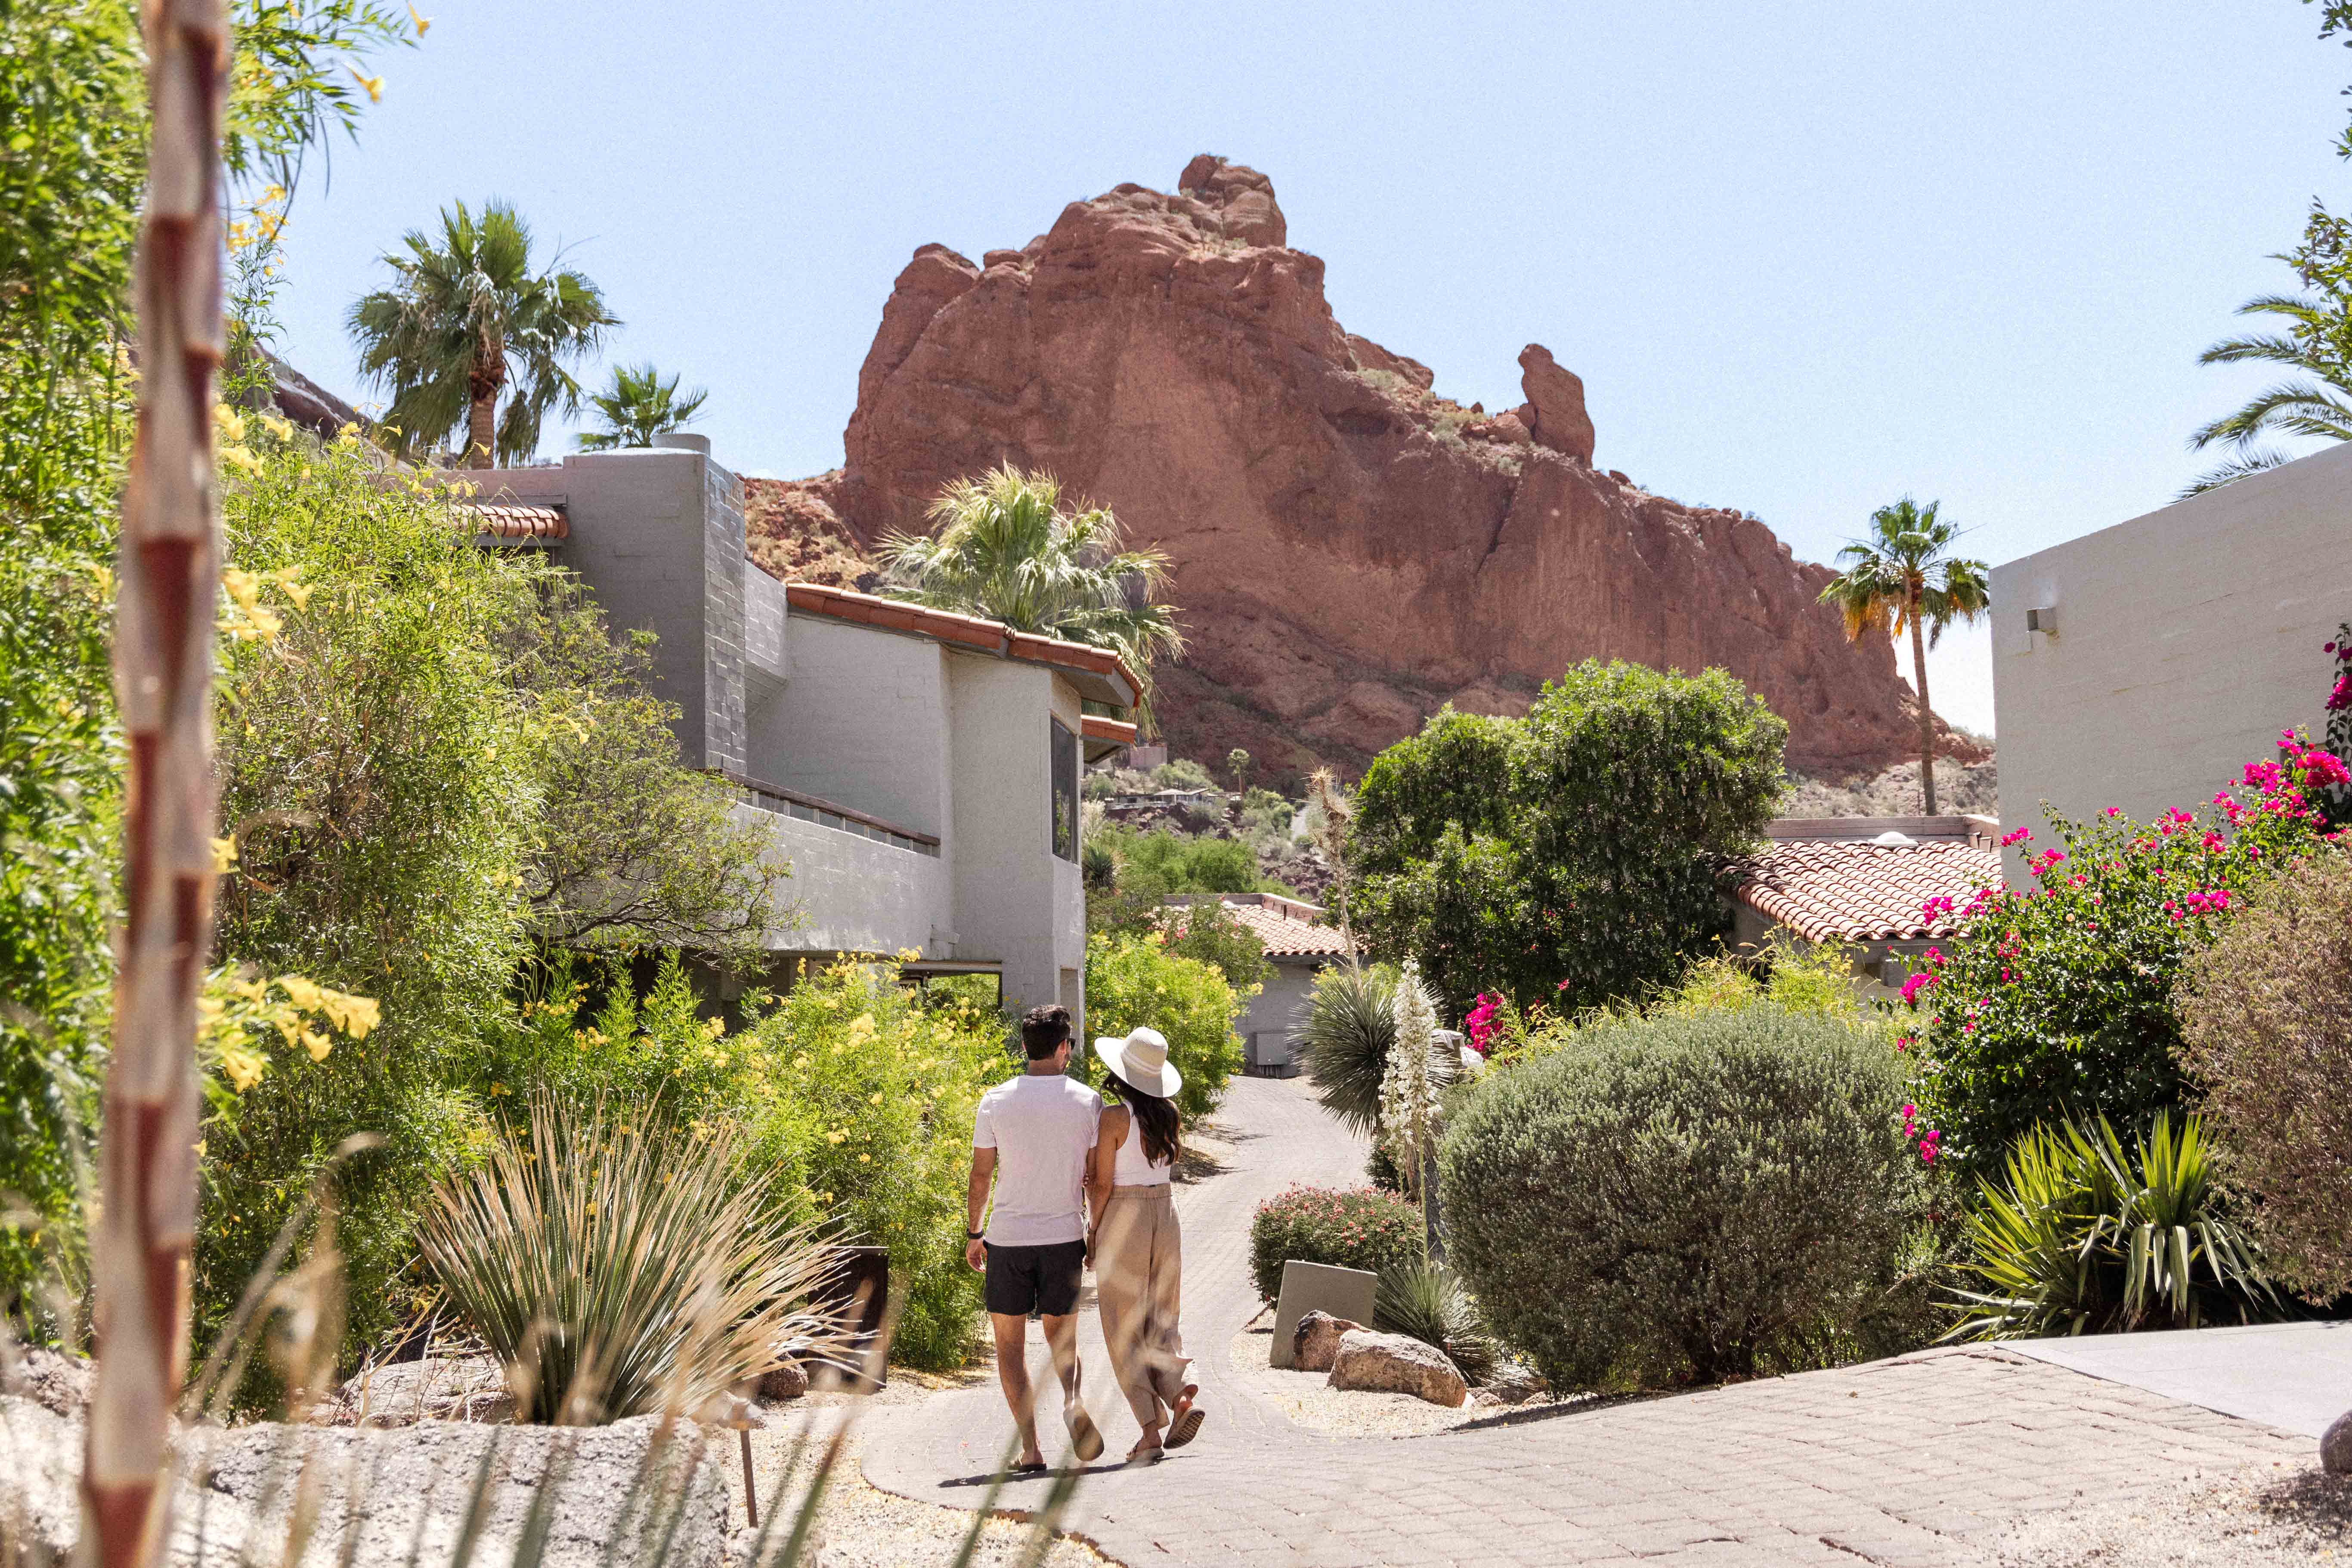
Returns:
<point x="467" y="319"/>
<point x="2314" y="343"/>
<point x="1903" y="577"/>
<point x="1004" y="547"/>
<point x="640" y="406"/>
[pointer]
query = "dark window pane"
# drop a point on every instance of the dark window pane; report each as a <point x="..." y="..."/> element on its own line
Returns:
<point x="1065" y="763"/>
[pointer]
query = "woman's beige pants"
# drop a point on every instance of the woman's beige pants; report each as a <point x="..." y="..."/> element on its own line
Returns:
<point x="1139" y="1282"/>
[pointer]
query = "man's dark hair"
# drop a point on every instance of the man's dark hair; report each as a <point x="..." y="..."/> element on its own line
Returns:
<point x="1044" y="1030"/>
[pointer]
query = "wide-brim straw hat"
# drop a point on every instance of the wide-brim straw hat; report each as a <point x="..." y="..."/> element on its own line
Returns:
<point x="1141" y="1059"/>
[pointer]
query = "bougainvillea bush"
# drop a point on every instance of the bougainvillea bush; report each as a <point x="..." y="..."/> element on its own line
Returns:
<point x="2058" y="1001"/>
<point x="1361" y="1228"/>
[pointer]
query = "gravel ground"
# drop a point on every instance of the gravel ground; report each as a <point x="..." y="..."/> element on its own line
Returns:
<point x="2277" y="1516"/>
<point x="1308" y="1398"/>
<point x="858" y="1525"/>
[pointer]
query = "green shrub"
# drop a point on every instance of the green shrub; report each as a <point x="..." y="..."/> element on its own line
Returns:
<point x="1364" y="1229"/>
<point x="1572" y="855"/>
<point x="1134" y="982"/>
<point x="1207" y="931"/>
<point x="2266" y="1035"/>
<point x="1425" y="1301"/>
<point x="2059" y="1003"/>
<point x="2084" y="1235"/>
<point x="1681" y="1198"/>
<point x="1344" y="1038"/>
<point x="860" y="1099"/>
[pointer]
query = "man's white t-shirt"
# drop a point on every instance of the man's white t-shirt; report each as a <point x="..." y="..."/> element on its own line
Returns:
<point x="1042" y="1126"/>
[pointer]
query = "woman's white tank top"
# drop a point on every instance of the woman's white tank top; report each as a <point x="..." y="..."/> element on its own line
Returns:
<point x="1132" y="1169"/>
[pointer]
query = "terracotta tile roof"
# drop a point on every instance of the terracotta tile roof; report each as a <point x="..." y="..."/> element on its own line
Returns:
<point x="1860" y="891"/>
<point x="508" y="520"/>
<point x="1288" y="926"/>
<point x="1098" y="728"/>
<point x="1095" y="672"/>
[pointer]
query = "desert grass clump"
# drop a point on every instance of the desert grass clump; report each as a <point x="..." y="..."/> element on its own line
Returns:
<point x="1345" y="1030"/>
<point x="1424" y="1302"/>
<point x="618" y="1269"/>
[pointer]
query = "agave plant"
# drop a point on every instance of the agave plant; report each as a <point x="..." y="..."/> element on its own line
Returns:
<point x="1424" y="1302"/>
<point x="618" y="1270"/>
<point x="1346" y="1028"/>
<point x="2083" y="1235"/>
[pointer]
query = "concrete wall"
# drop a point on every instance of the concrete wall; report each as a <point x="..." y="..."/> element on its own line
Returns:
<point x="2186" y="640"/>
<point x="1015" y="901"/>
<point x="863" y="722"/>
<point x="859" y="896"/>
<point x="1266" y="1026"/>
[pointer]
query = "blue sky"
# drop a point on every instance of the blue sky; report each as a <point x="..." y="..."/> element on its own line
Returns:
<point x="1807" y="257"/>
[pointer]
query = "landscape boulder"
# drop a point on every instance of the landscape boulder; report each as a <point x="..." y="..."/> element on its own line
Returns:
<point x="1316" y="1345"/>
<point x="1514" y="1383"/>
<point x="1394" y="1363"/>
<point x="2336" y="1447"/>
<point x="786" y="1380"/>
<point x="58" y="1383"/>
<point x="435" y="1388"/>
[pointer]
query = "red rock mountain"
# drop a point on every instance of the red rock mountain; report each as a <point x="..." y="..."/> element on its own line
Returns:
<point x="1350" y="551"/>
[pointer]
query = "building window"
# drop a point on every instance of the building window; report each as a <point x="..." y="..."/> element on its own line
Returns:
<point x="1065" y="761"/>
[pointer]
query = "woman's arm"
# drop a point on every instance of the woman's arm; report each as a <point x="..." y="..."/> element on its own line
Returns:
<point x="1109" y="1132"/>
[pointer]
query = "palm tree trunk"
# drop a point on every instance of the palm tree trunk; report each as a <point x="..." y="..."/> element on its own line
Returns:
<point x="481" y="428"/>
<point x="169" y="573"/>
<point x="1927" y="715"/>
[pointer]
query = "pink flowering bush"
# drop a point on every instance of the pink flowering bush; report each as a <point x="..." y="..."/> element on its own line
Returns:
<point x="2058" y="1001"/>
<point x="1362" y="1227"/>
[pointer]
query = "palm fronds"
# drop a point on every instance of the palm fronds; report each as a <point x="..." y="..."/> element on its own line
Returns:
<point x="638" y="406"/>
<point x="618" y="1270"/>
<point x="2314" y="343"/>
<point x="1006" y="548"/>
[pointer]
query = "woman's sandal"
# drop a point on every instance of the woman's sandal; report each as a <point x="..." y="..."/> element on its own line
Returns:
<point x="1142" y="1455"/>
<point x="1184" y="1420"/>
<point x="1085" y="1438"/>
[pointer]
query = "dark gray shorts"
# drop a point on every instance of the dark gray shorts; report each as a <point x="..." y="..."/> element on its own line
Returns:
<point x="1025" y="1279"/>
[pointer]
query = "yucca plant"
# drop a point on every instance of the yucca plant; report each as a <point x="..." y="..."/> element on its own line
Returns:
<point x="1346" y="1028"/>
<point x="619" y="1270"/>
<point x="2083" y="1235"/>
<point x="1424" y="1302"/>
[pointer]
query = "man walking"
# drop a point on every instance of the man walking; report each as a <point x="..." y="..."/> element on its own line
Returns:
<point x="1035" y="1136"/>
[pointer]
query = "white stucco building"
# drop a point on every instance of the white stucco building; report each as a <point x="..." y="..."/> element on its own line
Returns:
<point x="1299" y="944"/>
<point x="919" y="769"/>
<point x="2144" y="665"/>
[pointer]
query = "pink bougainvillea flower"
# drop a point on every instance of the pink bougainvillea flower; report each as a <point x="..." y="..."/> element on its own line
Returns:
<point x="2018" y="836"/>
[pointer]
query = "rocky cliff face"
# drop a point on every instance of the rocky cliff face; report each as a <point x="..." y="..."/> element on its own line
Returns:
<point x="1350" y="551"/>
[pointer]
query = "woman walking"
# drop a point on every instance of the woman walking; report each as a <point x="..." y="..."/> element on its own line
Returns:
<point x="1134" y="1246"/>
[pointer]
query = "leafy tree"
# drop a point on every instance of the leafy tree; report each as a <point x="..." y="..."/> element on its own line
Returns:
<point x="1135" y="982"/>
<point x="1903" y="577"/>
<point x="1005" y="547"/>
<point x="2315" y="341"/>
<point x="639" y="407"/>
<point x="1574" y="852"/>
<point x="1237" y="762"/>
<point x="467" y="321"/>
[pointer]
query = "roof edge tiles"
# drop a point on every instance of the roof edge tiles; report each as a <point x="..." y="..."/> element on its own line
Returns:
<point x="1098" y="728"/>
<point x="1848" y="891"/>
<point x="1098" y="673"/>
<point x="508" y="520"/>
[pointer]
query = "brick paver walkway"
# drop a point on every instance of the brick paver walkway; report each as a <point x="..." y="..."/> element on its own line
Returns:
<point x="1919" y="1460"/>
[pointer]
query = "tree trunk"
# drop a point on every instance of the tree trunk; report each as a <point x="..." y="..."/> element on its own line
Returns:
<point x="1927" y="715"/>
<point x="169" y="577"/>
<point x="481" y="429"/>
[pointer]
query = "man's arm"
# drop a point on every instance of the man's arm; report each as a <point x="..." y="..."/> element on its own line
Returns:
<point x="975" y="1205"/>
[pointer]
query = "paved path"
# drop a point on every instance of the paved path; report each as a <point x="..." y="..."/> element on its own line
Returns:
<point x="2296" y="1378"/>
<point x="1919" y="1460"/>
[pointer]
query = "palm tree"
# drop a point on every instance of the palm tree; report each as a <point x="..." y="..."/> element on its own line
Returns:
<point x="1005" y="547"/>
<point x="466" y="319"/>
<point x="2314" y="343"/>
<point x="640" y="406"/>
<point x="1901" y="577"/>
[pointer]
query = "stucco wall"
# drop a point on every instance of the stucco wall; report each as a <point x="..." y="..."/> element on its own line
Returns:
<point x="1013" y="900"/>
<point x="1265" y="1026"/>
<point x="863" y="722"/>
<point x="2186" y="640"/>
<point x="859" y="896"/>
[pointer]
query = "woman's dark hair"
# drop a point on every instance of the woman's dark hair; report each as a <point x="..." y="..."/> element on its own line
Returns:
<point x="1154" y="1117"/>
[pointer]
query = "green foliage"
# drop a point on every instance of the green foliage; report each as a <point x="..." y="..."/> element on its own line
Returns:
<point x="1154" y="865"/>
<point x="1182" y="772"/>
<point x="1683" y="1198"/>
<point x="1575" y="851"/>
<point x="2059" y="1003"/>
<point x="620" y="1271"/>
<point x="1363" y="1228"/>
<point x="467" y="318"/>
<point x="1136" y="982"/>
<point x="638" y="406"/>
<point x="2266" y="1038"/>
<point x="1207" y="931"/>
<point x="2314" y="341"/>
<point x="860" y="1097"/>
<point x="582" y="1031"/>
<point x="1006" y="549"/>
<point x="1344" y="1037"/>
<point x="2084" y="1235"/>
<point x="1424" y="1302"/>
